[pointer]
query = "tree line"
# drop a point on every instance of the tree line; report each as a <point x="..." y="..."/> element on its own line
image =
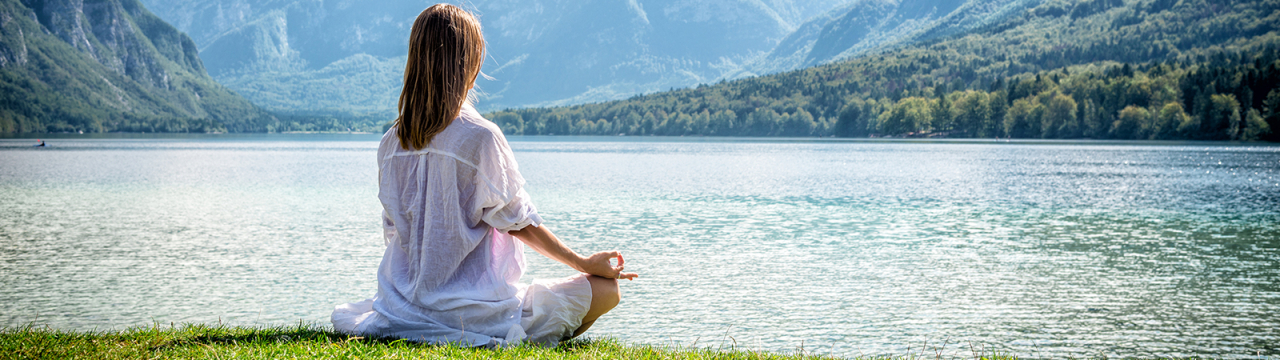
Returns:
<point x="1230" y="97"/>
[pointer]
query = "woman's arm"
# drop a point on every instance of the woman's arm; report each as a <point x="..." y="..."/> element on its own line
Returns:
<point x="544" y="242"/>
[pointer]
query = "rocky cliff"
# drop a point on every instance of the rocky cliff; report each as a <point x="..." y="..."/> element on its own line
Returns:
<point x="107" y="65"/>
<point x="872" y="25"/>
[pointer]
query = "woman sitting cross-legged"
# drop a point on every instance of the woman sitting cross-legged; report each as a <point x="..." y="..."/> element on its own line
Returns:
<point x="454" y="207"/>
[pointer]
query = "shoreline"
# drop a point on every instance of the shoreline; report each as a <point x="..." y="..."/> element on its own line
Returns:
<point x="309" y="136"/>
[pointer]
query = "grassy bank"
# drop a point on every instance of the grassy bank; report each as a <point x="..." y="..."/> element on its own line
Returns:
<point x="308" y="342"/>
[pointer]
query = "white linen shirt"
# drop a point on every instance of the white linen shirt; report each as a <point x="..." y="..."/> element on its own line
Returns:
<point x="450" y="270"/>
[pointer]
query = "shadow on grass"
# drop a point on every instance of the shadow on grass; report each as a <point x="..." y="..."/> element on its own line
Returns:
<point x="197" y="334"/>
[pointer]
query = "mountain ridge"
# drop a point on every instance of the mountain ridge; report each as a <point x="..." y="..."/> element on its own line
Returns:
<point x="876" y="25"/>
<point x="109" y="65"/>
<point x="543" y="53"/>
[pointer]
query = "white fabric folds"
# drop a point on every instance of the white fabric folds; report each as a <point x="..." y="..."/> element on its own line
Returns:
<point x="450" y="271"/>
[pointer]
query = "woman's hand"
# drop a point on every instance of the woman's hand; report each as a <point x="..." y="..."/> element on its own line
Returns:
<point x="544" y="242"/>
<point x="600" y="264"/>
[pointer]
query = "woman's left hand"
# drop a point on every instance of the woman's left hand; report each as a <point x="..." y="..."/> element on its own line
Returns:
<point x="544" y="242"/>
<point x="599" y="264"/>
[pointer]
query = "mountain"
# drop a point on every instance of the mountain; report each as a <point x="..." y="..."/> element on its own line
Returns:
<point x="343" y="58"/>
<point x="107" y="65"/>
<point x="868" y="25"/>
<point x="1131" y="69"/>
<point x="346" y="57"/>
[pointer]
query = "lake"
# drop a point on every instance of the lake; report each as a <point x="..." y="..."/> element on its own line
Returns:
<point x="1042" y="249"/>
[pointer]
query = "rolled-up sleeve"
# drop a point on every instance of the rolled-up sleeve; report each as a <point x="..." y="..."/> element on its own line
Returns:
<point x="501" y="197"/>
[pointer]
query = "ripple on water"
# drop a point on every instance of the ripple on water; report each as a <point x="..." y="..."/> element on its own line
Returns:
<point x="863" y="248"/>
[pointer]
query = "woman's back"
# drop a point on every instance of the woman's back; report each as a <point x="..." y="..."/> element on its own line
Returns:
<point x="447" y="207"/>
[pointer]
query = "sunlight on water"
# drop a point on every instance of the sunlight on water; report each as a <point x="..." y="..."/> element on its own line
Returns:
<point x="1045" y="249"/>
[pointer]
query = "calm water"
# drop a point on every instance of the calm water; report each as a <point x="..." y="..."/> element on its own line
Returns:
<point x="1041" y="249"/>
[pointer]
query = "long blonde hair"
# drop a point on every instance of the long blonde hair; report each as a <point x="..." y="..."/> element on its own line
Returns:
<point x="446" y="50"/>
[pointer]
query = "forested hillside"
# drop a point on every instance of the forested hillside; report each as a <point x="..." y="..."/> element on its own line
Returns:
<point x="109" y="65"/>
<point x="1136" y="69"/>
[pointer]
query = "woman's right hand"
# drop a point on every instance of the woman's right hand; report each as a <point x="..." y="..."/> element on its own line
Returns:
<point x="599" y="264"/>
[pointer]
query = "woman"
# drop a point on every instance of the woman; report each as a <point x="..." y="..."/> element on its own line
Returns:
<point x="453" y="208"/>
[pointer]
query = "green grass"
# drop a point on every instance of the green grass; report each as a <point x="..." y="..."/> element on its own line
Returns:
<point x="313" y="342"/>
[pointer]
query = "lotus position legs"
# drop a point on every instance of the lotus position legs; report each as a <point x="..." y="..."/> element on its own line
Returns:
<point x="605" y="294"/>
